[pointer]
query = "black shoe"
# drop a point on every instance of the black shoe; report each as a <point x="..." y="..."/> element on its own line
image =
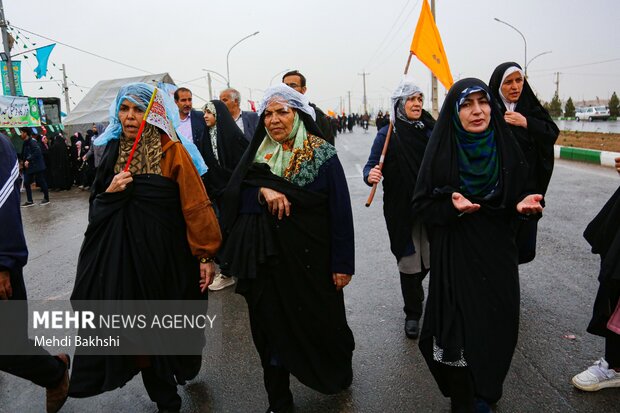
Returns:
<point x="412" y="329"/>
<point x="27" y="204"/>
<point x="44" y="202"/>
<point x="289" y="408"/>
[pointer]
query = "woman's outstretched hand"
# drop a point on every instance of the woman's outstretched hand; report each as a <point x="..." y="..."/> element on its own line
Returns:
<point x="530" y="205"/>
<point x="463" y="205"/>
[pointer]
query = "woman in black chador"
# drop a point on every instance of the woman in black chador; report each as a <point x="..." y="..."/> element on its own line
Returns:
<point x="151" y="235"/>
<point x="222" y="147"/>
<point x="536" y="134"/>
<point x="61" y="164"/>
<point x="408" y="241"/>
<point x="287" y="216"/>
<point x="469" y="190"/>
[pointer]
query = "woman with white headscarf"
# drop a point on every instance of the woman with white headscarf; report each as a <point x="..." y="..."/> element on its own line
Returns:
<point x="289" y="228"/>
<point x="536" y="133"/>
<point x="408" y="241"/>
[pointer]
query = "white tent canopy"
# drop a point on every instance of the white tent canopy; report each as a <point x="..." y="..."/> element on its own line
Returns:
<point x="94" y="107"/>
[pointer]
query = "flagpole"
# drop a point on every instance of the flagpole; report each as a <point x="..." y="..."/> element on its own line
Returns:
<point x="387" y="141"/>
<point x="140" y="130"/>
<point x="434" y="90"/>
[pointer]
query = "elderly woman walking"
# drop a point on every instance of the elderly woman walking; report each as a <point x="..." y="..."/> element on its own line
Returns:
<point x="408" y="241"/>
<point x="152" y="235"/>
<point x="536" y="134"/>
<point x="469" y="189"/>
<point x="287" y="216"/>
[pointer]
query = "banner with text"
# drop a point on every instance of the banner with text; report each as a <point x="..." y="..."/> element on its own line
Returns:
<point x="17" y="75"/>
<point x="18" y="112"/>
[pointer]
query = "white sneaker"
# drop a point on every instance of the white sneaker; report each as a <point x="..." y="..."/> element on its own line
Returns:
<point x="598" y="376"/>
<point x="220" y="282"/>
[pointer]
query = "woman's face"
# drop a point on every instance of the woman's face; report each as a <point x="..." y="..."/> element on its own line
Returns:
<point x="130" y="115"/>
<point x="413" y="106"/>
<point x="475" y="113"/>
<point x="209" y="118"/>
<point x="512" y="87"/>
<point x="279" y="119"/>
<point x="44" y="139"/>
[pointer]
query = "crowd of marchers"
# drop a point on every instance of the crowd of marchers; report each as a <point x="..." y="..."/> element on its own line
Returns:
<point x="259" y="200"/>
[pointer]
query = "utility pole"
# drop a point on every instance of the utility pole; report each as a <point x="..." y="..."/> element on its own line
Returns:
<point x="7" y="51"/>
<point x="363" y="74"/>
<point x="557" y="84"/>
<point x="209" y="82"/>
<point x="434" y="94"/>
<point x="349" y="92"/>
<point x="65" y="87"/>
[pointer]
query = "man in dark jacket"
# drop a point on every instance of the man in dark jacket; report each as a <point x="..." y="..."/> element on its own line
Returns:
<point x="34" y="167"/>
<point x="246" y="121"/>
<point x="297" y="81"/>
<point x="39" y="366"/>
<point x="192" y="124"/>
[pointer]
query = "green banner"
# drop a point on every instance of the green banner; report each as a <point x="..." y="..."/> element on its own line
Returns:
<point x="16" y="112"/>
<point x="17" y="75"/>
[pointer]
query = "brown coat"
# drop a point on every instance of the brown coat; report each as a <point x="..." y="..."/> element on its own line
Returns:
<point x="203" y="230"/>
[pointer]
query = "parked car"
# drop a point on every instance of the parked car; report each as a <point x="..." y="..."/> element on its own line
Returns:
<point x="592" y="113"/>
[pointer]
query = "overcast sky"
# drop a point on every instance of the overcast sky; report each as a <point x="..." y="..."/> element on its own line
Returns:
<point x="330" y="41"/>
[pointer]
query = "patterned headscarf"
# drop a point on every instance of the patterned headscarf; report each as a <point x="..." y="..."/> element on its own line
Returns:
<point x="298" y="158"/>
<point x="209" y="106"/>
<point x="278" y="154"/>
<point x="146" y="159"/>
<point x="140" y="95"/>
<point x="477" y="154"/>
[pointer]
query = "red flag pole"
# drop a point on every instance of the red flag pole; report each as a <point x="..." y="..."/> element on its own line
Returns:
<point x="387" y="142"/>
<point x="140" y="130"/>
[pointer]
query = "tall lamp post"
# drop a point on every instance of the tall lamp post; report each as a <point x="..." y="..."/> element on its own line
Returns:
<point x="209" y="80"/>
<point x="524" y="41"/>
<point x="228" y="54"/>
<point x="538" y="55"/>
<point x="216" y="73"/>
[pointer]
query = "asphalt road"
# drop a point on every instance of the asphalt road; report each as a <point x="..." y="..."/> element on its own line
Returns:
<point x="557" y="291"/>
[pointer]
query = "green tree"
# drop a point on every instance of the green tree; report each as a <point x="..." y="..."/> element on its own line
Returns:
<point x="614" y="105"/>
<point x="555" y="107"/>
<point x="569" y="108"/>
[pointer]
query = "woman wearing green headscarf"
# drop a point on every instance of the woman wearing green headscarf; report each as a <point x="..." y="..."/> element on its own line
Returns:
<point x="470" y="188"/>
<point x="289" y="227"/>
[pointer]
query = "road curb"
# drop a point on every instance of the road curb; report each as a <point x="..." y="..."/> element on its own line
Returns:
<point x="592" y="156"/>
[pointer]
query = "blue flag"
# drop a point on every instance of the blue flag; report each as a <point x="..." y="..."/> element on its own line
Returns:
<point x="43" y="55"/>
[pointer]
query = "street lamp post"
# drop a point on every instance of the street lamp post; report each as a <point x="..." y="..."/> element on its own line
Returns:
<point x="524" y="41"/>
<point x="216" y="73"/>
<point x="209" y="80"/>
<point x="538" y="55"/>
<point x="228" y="54"/>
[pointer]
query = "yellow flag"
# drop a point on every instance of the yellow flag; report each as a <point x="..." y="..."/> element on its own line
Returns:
<point x="427" y="46"/>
